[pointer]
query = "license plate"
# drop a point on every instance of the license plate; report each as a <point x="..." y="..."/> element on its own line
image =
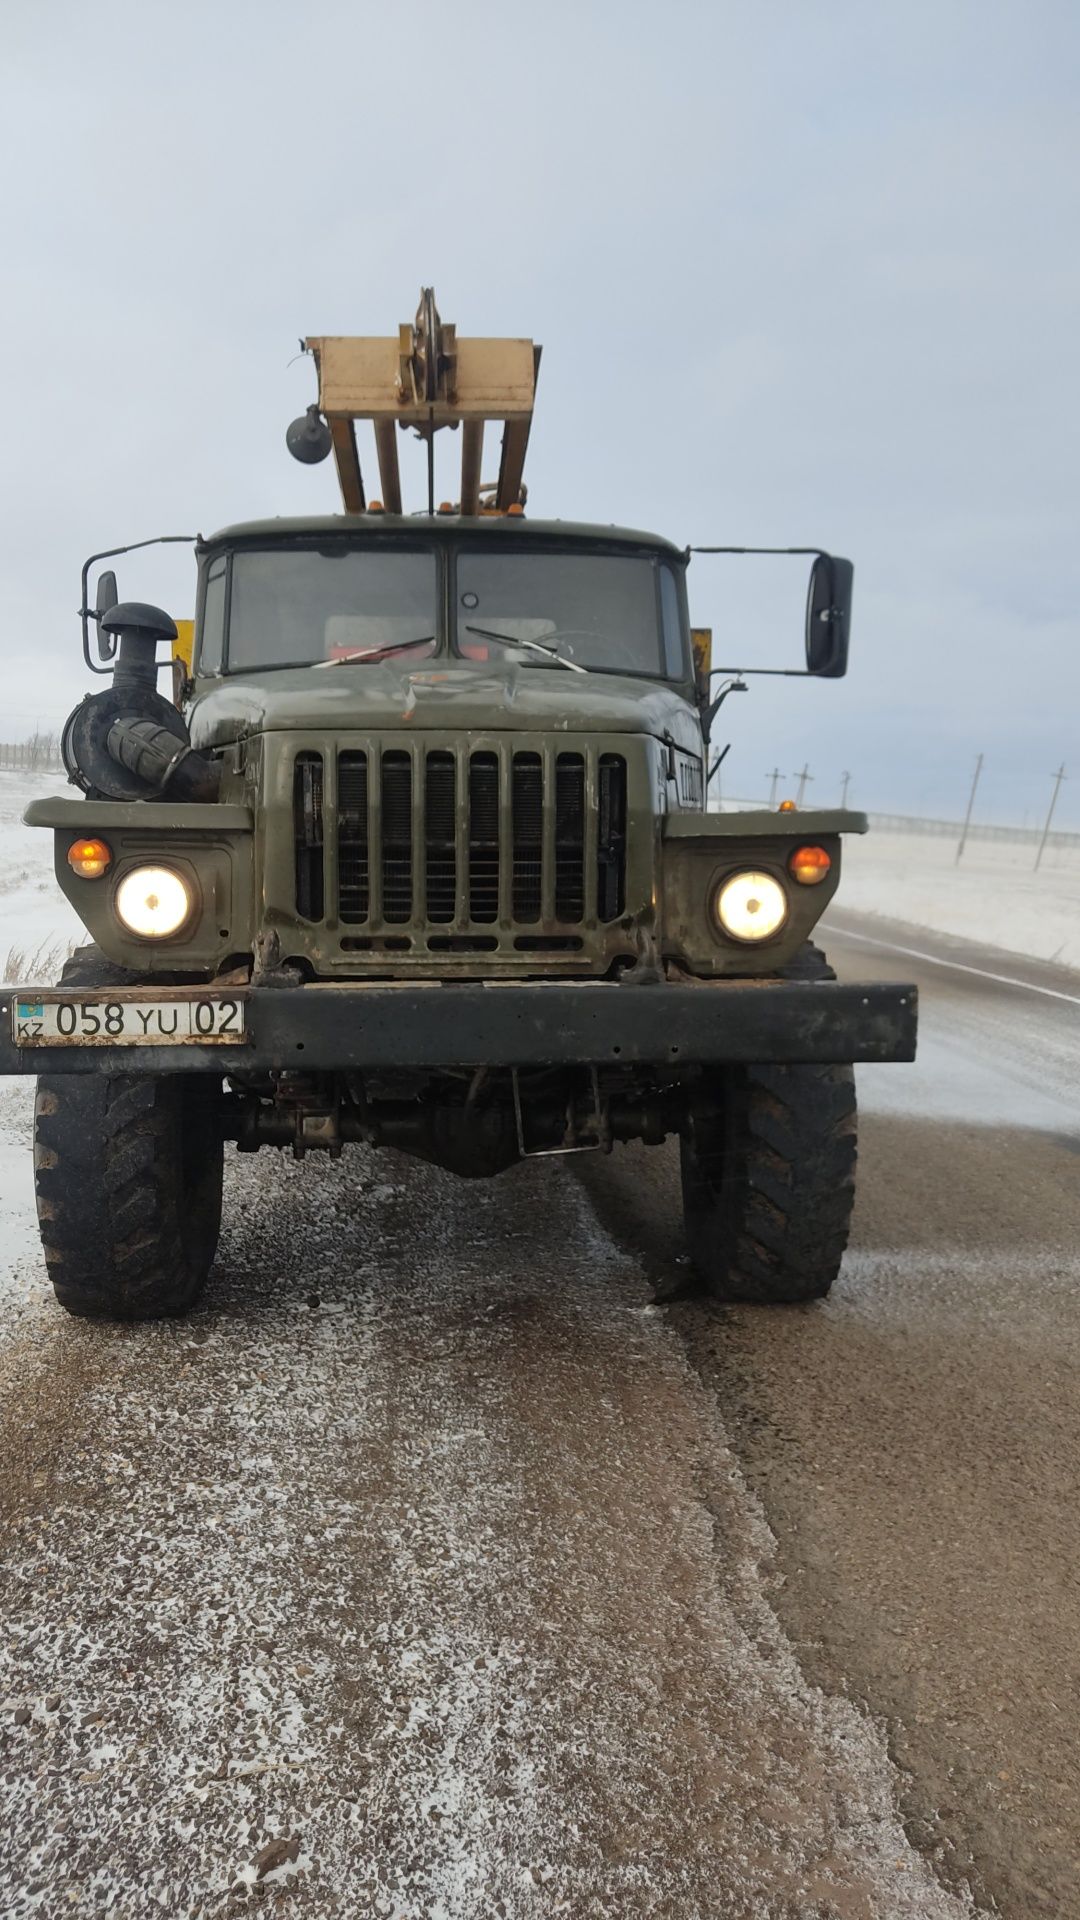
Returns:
<point x="168" y="1021"/>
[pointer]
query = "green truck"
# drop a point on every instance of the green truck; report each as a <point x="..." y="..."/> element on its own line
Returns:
<point x="418" y="854"/>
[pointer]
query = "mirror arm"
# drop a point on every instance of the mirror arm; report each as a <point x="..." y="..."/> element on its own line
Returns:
<point x="834" y="616"/>
<point x="88" y="613"/>
<point x="735" y="685"/>
<point x="819" y="553"/>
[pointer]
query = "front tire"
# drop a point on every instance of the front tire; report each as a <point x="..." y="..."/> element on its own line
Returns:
<point x="128" y="1176"/>
<point x="768" y="1175"/>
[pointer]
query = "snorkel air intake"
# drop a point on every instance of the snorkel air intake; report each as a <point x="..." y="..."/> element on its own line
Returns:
<point x="128" y="743"/>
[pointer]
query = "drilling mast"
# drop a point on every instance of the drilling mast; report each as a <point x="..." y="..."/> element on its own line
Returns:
<point x="424" y="379"/>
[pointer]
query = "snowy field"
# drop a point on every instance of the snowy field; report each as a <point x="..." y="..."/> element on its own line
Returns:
<point x="993" y="897"/>
<point x="36" y="921"/>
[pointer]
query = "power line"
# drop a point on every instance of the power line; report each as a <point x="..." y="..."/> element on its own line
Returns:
<point x="1058" y="778"/>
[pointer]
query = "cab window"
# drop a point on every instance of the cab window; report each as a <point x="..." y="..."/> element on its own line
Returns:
<point x="302" y="606"/>
<point x="671" y="622"/>
<point x="212" y="628"/>
<point x="598" y="610"/>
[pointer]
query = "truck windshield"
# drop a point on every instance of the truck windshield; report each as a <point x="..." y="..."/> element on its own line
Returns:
<point x="598" y="611"/>
<point x="295" y="606"/>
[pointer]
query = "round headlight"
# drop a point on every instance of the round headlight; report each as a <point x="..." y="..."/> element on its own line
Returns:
<point x="751" y="906"/>
<point x="153" y="902"/>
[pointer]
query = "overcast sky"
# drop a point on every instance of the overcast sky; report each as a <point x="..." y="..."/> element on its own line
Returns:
<point x="803" y="273"/>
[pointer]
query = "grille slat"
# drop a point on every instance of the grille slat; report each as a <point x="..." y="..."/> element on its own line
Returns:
<point x="308" y="835"/>
<point x="354" y="870"/>
<point x="397" y="838"/>
<point x="542" y="837"/>
<point x="611" y="838"/>
<point x="570" y="838"/>
<point x="527" y="800"/>
<point x="484" y="838"/>
<point x="440" y="837"/>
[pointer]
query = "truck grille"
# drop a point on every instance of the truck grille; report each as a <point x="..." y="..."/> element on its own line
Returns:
<point x="459" y="841"/>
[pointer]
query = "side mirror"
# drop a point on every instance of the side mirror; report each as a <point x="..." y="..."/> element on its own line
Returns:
<point x="105" y="599"/>
<point x="828" y="616"/>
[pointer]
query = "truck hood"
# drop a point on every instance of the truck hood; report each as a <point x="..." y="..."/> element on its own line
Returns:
<point x="380" y="698"/>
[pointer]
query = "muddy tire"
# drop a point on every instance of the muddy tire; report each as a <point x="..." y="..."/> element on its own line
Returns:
<point x="128" y="1176"/>
<point x="768" y="1175"/>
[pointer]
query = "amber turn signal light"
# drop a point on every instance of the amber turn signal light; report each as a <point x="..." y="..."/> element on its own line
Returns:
<point x="809" y="865"/>
<point x="89" y="858"/>
<point x="787" y="806"/>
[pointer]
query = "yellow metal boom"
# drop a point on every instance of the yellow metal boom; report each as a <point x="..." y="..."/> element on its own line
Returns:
<point x="426" y="378"/>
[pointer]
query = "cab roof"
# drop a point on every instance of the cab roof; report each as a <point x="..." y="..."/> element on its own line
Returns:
<point x="487" y="528"/>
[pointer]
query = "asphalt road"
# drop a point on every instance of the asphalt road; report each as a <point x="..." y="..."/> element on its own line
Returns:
<point x="433" y="1569"/>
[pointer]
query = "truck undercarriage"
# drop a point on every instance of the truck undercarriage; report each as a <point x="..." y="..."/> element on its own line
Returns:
<point x="474" y="1077"/>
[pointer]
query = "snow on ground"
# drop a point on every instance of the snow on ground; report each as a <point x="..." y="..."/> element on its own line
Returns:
<point x="35" y="919"/>
<point x="993" y="896"/>
<point x="37" y="924"/>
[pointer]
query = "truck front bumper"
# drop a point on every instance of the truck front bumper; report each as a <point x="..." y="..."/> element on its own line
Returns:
<point x="361" y="1027"/>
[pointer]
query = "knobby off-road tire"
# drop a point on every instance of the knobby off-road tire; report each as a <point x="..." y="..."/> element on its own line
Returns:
<point x="128" y="1176"/>
<point x="768" y="1177"/>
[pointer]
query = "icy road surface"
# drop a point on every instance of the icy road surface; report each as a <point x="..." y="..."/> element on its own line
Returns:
<point x="432" y="1570"/>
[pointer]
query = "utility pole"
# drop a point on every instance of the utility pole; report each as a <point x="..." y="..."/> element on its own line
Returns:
<point x="713" y="773"/>
<point x="971" y="803"/>
<point x="843" y="796"/>
<point x="1058" y="778"/>
<point x="804" y="776"/>
<point x="774" y="776"/>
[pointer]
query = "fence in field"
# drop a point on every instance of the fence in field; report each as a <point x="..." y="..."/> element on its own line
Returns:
<point x="942" y="829"/>
<point x="30" y="756"/>
<point x="978" y="830"/>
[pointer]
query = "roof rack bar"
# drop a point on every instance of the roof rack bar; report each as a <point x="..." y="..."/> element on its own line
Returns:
<point x="347" y="461"/>
<point x="389" y="472"/>
<point x="511" y="464"/>
<point x="472" y="454"/>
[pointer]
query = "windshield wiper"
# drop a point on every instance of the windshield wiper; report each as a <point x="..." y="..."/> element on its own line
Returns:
<point x="533" y="646"/>
<point x="377" y="653"/>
